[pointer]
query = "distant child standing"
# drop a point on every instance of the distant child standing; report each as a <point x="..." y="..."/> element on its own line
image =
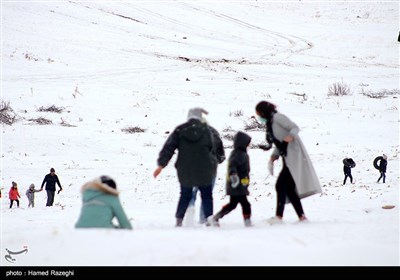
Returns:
<point x="237" y="180"/>
<point x="30" y="194"/>
<point x="14" y="194"/>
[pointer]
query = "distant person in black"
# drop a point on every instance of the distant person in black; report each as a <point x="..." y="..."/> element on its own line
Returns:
<point x="50" y="180"/>
<point x="348" y="164"/>
<point x="382" y="168"/>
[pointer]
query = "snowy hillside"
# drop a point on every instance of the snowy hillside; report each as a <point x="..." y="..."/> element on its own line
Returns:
<point x="113" y="66"/>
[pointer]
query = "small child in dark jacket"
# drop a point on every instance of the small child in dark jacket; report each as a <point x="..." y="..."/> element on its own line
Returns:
<point x="237" y="180"/>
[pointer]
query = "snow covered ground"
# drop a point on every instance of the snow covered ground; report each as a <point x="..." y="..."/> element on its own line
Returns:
<point x="111" y="66"/>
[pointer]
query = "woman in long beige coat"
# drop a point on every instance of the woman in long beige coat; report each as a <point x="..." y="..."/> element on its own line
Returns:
<point x="297" y="179"/>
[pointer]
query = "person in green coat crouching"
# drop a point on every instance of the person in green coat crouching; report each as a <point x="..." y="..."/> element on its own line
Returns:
<point x="101" y="205"/>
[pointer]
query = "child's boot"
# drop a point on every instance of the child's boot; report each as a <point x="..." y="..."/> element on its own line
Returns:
<point x="213" y="220"/>
<point x="247" y="221"/>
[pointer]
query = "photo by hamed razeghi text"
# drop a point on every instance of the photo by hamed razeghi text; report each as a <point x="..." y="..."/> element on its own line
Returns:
<point x="45" y="272"/>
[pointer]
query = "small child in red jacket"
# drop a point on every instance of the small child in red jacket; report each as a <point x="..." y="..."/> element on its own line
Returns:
<point x="14" y="194"/>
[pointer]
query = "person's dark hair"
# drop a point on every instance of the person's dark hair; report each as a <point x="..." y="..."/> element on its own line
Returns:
<point x="265" y="109"/>
<point x="108" y="181"/>
<point x="52" y="170"/>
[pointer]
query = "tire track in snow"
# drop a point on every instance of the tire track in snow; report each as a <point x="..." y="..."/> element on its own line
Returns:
<point x="109" y="73"/>
<point x="290" y="44"/>
<point x="296" y="44"/>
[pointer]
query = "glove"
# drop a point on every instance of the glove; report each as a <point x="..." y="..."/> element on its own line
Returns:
<point x="244" y="181"/>
<point x="265" y="147"/>
<point x="220" y="158"/>
<point x="234" y="180"/>
<point x="271" y="167"/>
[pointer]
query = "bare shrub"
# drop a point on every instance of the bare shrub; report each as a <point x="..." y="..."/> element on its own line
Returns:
<point x="253" y="124"/>
<point x="132" y="129"/>
<point x="7" y="115"/>
<point x="228" y="129"/>
<point x="302" y="95"/>
<point x="30" y="56"/>
<point x="228" y="147"/>
<point x="41" y="121"/>
<point x="228" y="136"/>
<point x="64" y="123"/>
<point x="338" y="89"/>
<point x="237" y="113"/>
<point x="51" y="108"/>
<point x="76" y="92"/>
<point x="254" y="146"/>
<point x="380" y="94"/>
<point x="149" y="144"/>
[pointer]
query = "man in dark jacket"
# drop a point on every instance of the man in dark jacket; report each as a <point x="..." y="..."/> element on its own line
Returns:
<point x="50" y="180"/>
<point x="196" y="163"/>
<point x="219" y="153"/>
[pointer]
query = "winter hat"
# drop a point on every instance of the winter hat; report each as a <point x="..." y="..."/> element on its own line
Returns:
<point x="108" y="181"/>
<point x="52" y="170"/>
<point x="102" y="183"/>
<point x="196" y="113"/>
<point x="32" y="186"/>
